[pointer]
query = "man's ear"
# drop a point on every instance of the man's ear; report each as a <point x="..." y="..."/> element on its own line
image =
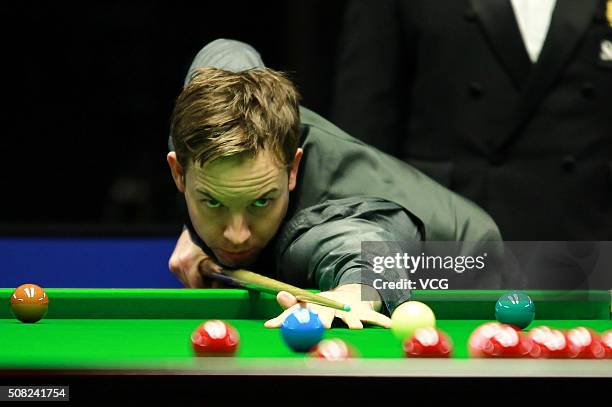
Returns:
<point x="177" y="171"/>
<point x="294" y="169"/>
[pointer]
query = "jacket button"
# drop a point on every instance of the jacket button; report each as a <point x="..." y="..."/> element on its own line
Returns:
<point x="475" y="90"/>
<point x="599" y="18"/>
<point x="568" y="163"/>
<point x="496" y="159"/>
<point x="588" y="91"/>
<point x="469" y="15"/>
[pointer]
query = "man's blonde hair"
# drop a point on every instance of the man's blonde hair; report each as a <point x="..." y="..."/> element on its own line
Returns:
<point x="223" y="114"/>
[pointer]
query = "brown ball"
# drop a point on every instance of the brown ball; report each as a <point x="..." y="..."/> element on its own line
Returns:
<point x="29" y="303"/>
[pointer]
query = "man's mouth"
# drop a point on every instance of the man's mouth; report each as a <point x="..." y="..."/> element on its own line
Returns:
<point x="235" y="256"/>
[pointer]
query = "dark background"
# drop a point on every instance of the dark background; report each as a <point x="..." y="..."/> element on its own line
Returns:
<point x="89" y="87"/>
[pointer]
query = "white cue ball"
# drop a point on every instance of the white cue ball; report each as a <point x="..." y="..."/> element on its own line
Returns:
<point x="409" y="317"/>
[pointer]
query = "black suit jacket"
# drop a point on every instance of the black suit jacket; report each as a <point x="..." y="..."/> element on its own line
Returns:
<point x="448" y="86"/>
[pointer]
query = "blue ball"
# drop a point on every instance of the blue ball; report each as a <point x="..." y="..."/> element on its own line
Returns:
<point x="515" y="308"/>
<point x="302" y="330"/>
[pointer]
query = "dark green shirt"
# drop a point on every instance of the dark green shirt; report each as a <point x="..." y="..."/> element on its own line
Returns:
<point x="336" y="165"/>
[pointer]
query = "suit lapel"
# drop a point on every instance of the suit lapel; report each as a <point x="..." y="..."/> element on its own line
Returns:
<point x="569" y="22"/>
<point x="499" y="25"/>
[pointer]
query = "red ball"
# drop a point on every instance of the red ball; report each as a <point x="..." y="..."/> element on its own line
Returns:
<point x="509" y="343"/>
<point x="333" y="350"/>
<point x="553" y="343"/>
<point x="215" y="338"/>
<point x="587" y="342"/>
<point x="480" y="337"/>
<point x="606" y="341"/>
<point x="501" y="341"/>
<point x="428" y="342"/>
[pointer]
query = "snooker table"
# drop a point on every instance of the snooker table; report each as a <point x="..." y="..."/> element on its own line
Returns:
<point x="136" y="340"/>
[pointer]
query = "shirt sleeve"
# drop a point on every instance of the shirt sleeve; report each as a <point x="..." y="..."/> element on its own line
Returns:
<point x="329" y="254"/>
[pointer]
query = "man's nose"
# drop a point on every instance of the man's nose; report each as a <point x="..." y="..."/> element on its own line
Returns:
<point x="237" y="232"/>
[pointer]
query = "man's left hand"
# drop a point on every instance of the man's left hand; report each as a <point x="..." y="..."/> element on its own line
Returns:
<point x="361" y="311"/>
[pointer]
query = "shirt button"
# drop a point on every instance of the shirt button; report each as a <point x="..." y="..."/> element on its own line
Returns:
<point x="568" y="162"/>
<point x="496" y="159"/>
<point x="475" y="90"/>
<point x="469" y="15"/>
<point x="600" y="18"/>
<point x="588" y="91"/>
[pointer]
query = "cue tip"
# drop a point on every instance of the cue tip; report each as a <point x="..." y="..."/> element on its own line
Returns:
<point x="347" y="307"/>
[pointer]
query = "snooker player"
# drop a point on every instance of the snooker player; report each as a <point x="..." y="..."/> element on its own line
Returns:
<point x="275" y="188"/>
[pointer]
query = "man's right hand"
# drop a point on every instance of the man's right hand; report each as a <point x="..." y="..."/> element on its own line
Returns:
<point x="190" y="264"/>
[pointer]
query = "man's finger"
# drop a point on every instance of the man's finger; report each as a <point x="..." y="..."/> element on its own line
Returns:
<point x="205" y="267"/>
<point x="194" y="280"/>
<point x="326" y="315"/>
<point x="376" y="318"/>
<point x="277" y="321"/>
<point x="208" y="266"/>
<point x="351" y="320"/>
<point x="286" y="300"/>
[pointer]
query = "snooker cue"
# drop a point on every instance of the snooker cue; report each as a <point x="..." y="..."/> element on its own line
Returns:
<point x="257" y="282"/>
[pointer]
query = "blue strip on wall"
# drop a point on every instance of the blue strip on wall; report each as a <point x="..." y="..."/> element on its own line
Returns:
<point x="87" y="262"/>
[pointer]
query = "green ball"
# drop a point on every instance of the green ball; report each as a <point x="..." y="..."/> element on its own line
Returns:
<point x="515" y="308"/>
<point x="409" y="317"/>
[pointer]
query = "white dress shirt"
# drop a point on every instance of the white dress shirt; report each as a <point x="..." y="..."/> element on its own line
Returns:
<point x="533" y="17"/>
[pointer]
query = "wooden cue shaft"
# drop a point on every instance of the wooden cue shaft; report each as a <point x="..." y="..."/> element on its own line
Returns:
<point x="258" y="282"/>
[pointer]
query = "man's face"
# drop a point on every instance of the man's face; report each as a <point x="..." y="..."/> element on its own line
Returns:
<point x="237" y="204"/>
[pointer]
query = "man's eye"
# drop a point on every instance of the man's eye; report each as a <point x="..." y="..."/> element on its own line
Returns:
<point x="261" y="202"/>
<point x="212" y="203"/>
